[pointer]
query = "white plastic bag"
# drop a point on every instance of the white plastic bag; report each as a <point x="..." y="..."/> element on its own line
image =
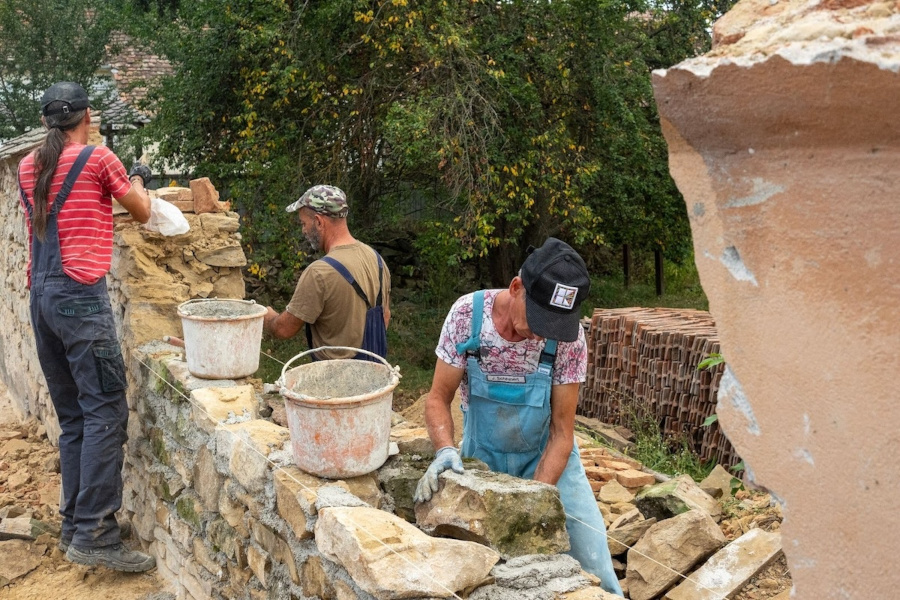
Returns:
<point x="166" y="218"/>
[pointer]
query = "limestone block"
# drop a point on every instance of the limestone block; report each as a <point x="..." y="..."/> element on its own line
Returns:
<point x="389" y="558"/>
<point x="251" y="443"/>
<point x="207" y="481"/>
<point x="212" y="406"/>
<point x="412" y="440"/>
<point x="668" y="548"/>
<point x="234" y="513"/>
<point x="202" y="554"/>
<point x="196" y="580"/>
<point x="229" y="284"/>
<point x="205" y="195"/>
<point x="259" y="563"/>
<point x="17" y="559"/>
<point x="614" y="493"/>
<point x="284" y="555"/>
<point x="225" y="539"/>
<point x="620" y="538"/>
<point x="295" y="498"/>
<point x="366" y="488"/>
<point x="718" y="483"/>
<point x="730" y="568"/>
<point x="214" y="223"/>
<point x="676" y="496"/>
<point x="632" y="478"/>
<point x="515" y="517"/>
<point x="222" y="256"/>
<point x="264" y="536"/>
<point x="315" y="581"/>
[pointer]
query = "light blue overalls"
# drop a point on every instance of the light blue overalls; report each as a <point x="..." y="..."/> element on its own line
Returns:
<point x="507" y="425"/>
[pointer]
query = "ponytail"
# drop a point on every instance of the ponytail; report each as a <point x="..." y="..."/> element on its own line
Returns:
<point x="46" y="159"/>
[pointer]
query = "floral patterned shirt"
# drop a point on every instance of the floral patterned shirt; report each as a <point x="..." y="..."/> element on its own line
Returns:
<point x="499" y="356"/>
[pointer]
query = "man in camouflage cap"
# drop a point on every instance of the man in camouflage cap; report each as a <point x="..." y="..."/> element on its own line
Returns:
<point x="343" y="299"/>
<point x="323" y="199"/>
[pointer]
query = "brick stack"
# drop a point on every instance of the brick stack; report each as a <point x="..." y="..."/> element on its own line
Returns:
<point x="643" y="362"/>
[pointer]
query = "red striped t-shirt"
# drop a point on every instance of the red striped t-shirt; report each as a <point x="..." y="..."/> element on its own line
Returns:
<point x="85" y="221"/>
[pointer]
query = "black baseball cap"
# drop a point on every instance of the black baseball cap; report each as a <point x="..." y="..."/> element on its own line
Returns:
<point x="556" y="283"/>
<point x="70" y="93"/>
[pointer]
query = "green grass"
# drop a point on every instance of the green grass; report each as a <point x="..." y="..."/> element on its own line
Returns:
<point x="672" y="456"/>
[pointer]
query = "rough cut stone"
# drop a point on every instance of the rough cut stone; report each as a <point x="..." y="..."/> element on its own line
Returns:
<point x="613" y="493"/>
<point x="223" y="256"/>
<point x="620" y="539"/>
<point x="718" y="483"/>
<point x="730" y="568"/>
<point x="413" y="440"/>
<point x="215" y="405"/>
<point x="295" y="498"/>
<point x="676" y="496"/>
<point x="784" y="141"/>
<point x="406" y="563"/>
<point x="670" y="548"/>
<point x="17" y="558"/>
<point x="515" y="517"/>
<point x="247" y="446"/>
<point x="205" y="195"/>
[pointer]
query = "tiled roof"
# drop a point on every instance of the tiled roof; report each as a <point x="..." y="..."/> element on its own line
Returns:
<point x="132" y="68"/>
<point x="30" y="140"/>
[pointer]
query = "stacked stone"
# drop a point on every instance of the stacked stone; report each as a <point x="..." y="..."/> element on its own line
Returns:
<point x="642" y="362"/>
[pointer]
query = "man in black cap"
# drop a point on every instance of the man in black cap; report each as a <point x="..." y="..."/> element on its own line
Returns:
<point x="517" y="356"/>
<point x="66" y="189"/>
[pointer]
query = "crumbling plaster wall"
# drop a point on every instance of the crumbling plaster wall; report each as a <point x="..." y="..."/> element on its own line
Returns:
<point x="785" y="141"/>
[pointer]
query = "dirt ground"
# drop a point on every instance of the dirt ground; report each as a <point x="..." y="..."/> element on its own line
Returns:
<point x="29" y="483"/>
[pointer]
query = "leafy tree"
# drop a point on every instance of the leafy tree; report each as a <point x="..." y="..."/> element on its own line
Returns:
<point x="44" y="41"/>
<point x="509" y="121"/>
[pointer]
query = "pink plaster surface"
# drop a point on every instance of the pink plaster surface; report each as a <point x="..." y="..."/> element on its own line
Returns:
<point x="785" y="142"/>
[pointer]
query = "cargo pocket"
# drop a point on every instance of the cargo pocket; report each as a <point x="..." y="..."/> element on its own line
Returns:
<point x="110" y="365"/>
<point x="81" y="317"/>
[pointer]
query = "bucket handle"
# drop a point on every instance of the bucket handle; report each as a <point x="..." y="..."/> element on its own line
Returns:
<point x="395" y="371"/>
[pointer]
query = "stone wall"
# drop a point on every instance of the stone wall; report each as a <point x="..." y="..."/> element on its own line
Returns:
<point x="785" y="141"/>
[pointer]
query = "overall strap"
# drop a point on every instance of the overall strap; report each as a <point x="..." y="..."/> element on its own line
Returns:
<point x="548" y="357"/>
<point x="28" y="208"/>
<point x="72" y="177"/>
<point x="472" y="346"/>
<point x="346" y="275"/>
<point x="65" y="190"/>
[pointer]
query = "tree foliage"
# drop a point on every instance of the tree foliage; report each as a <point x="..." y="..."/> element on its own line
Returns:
<point x="509" y="121"/>
<point x="41" y="42"/>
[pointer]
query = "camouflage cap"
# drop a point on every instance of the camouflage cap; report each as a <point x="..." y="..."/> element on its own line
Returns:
<point x="324" y="199"/>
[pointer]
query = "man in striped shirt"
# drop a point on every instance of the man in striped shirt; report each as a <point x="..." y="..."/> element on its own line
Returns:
<point x="66" y="189"/>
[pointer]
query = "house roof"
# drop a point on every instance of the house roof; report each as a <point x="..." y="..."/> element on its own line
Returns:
<point x="133" y="68"/>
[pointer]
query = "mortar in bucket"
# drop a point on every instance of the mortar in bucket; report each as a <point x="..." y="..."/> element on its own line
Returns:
<point x="222" y="337"/>
<point x="339" y="413"/>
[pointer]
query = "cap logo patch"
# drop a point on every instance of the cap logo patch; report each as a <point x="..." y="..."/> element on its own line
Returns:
<point x="564" y="296"/>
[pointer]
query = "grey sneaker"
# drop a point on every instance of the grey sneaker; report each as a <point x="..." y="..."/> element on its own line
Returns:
<point x="64" y="545"/>
<point x="116" y="557"/>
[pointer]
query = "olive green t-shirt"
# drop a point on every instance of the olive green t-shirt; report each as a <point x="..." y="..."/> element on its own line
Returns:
<point x="325" y="300"/>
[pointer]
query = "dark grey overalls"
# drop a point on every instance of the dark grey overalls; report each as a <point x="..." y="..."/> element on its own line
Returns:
<point x="82" y="362"/>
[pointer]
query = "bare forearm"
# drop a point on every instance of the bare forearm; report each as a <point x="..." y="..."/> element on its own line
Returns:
<point x="439" y="421"/>
<point x="553" y="461"/>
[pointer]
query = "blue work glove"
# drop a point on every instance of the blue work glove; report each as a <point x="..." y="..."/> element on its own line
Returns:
<point x="445" y="458"/>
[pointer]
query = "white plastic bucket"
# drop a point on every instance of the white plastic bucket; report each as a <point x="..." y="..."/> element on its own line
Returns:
<point x="222" y="337"/>
<point x="339" y="413"/>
